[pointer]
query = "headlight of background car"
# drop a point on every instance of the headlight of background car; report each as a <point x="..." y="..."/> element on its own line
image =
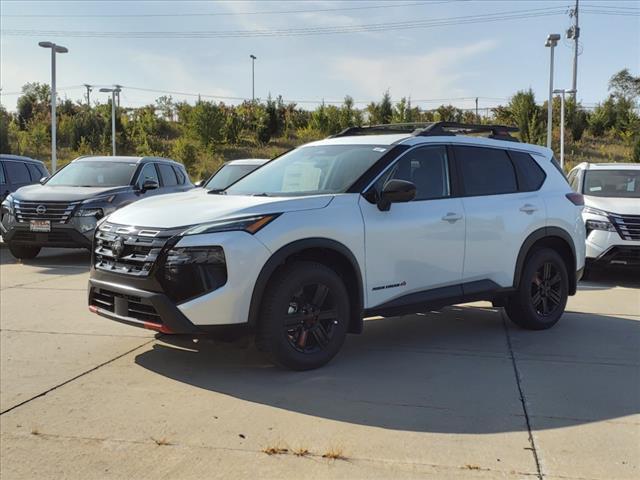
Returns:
<point x="251" y="225"/>
<point x="90" y="212"/>
<point x="7" y="205"/>
<point x="188" y="272"/>
<point x="605" y="225"/>
<point x="595" y="211"/>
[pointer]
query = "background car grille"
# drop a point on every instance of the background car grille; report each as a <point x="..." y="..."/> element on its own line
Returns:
<point x="57" y="212"/>
<point x="628" y="226"/>
<point x="139" y="249"/>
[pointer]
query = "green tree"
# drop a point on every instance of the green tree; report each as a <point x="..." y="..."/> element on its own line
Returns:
<point x="206" y="121"/>
<point x="5" y="119"/>
<point x="35" y="99"/>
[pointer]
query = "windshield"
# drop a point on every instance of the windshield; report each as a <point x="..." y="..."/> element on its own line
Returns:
<point x="227" y="175"/>
<point x="94" y="174"/>
<point x="311" y="170"/>
<point x="612" y="183"/>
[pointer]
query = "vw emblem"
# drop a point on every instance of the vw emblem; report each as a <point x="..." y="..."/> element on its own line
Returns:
<point x="118" y="247"/>
<point x="41" y="209"/>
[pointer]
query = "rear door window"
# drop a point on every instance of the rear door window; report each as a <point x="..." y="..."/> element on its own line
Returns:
<point x="180" y="175"/>
<point x="2" y="179"/>
<point x="486" y="171"/>
<point x="36" y="174"/>
<point x="530" y="175"/>
<point x="17" y="172"/>
<point x="168" y="175"/>
<point x="148" y="173"/>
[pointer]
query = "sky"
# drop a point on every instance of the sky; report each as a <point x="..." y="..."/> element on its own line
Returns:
<point x="204" y="47"/>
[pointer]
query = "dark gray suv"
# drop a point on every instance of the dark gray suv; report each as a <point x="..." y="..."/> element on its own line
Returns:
<point x="63" y="210"/>
<point x="17" y="171"/>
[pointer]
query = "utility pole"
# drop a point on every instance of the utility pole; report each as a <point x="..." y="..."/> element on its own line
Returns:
<point x="89" y="88"/>
<point x="552" y="41"/>
<point x="477" y="117"/>
<point x="113" y="92"/>
<point x="574" y="34"/>
<point x="253" y="77"/>
<point x="118" y="89"/>
<point x="562" y="92"/>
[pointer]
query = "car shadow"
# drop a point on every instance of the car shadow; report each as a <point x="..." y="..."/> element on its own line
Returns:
<point x="448" y="372"/>
<point x="53" y="261"/>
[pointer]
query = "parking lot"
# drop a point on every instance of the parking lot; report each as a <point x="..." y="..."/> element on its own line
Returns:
<point x="450" y="394"/>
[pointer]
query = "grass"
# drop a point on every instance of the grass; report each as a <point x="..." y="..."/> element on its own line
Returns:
<point x="275" y="450"/>
<point x="301" y="452"/>
<point x="334" y="453"/>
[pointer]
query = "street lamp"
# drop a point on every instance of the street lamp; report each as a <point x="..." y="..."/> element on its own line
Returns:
<point x="552" y="41"/>
<point x="113" y="92"/>
<point x="562" y="92"/>
<point x="54" y="49"/>
<point x="253" y="78"/>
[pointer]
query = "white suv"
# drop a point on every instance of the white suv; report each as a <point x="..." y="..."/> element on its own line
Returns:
<point x="611" y="213"/>
<point x="383" y="220"/>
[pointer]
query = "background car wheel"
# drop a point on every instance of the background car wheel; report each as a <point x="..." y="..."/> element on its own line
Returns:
<point x="304" y="316"/>
<point x="23" y="252"/>
<point x="542" y="294"/>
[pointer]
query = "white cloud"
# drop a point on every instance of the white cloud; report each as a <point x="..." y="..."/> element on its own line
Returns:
<point x="437" y="74"/>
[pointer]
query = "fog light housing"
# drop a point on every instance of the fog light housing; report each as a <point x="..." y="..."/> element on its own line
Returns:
<point x="188" y="272"/>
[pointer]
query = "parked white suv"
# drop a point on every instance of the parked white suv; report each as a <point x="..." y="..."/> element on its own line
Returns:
<point x="378" y="220"/>
<point x="611" y="213"/>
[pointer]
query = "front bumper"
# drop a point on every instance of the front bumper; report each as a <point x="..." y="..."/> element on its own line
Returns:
<point x="608" y="248"/>
<point x="140" y="308"/>
<point x="66" y="235"/>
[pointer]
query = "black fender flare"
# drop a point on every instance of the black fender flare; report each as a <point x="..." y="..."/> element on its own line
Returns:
<point x="541" y="233"/>
<point x="279" y="257"/>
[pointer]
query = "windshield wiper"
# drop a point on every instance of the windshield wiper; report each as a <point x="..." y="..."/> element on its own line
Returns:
<point x="217" y="191"/>
<point x="263" y="194"/>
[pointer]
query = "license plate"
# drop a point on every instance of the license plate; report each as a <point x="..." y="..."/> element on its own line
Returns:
<point x="40" y="225"/>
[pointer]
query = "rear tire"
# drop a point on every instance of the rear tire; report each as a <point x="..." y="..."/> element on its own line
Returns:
<point x="542" y="294"/>
<point x="304" y="316"/>
<point x="24" y="252"/>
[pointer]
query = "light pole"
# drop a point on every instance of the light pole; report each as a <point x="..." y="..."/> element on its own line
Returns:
<point x="113" y="92"/>
<point x="253" y="77"/>
<point x="562" y="93"/>
<point x="552" y="41"/>
<point x="54" y="49"/>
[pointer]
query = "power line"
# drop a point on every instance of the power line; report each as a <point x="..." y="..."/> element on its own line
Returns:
<point x="376" y="27"/>
<point x="232" y="14"/>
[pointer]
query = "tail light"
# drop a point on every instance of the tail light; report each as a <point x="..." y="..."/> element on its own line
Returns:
<point x="576" y="199"/>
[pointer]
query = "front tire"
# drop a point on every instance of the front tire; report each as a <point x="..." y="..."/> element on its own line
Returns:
<point x="542" y="293"/>
<point x="304" y="316"/>
<point x="24" y="252"/>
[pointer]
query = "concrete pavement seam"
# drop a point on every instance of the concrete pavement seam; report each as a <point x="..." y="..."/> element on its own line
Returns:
<point x="12" y="330"/>
<point x="523" y="400"/>
<point x="93" y="369"/>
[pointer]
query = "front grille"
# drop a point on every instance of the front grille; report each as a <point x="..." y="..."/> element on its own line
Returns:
<point x="36" y="237"/>
<point x="129" y="306"/>
<point x="628" y="226"/>
<point x="56" y="212"/>
<point x="128" y="250"/>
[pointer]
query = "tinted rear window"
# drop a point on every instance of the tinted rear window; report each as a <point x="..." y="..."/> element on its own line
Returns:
<point x="17" y="172"/>
<point x="530" y="175"/>
<point x="180" y="175"/>
<point x="36" y="174"/>
<point x="486" y="171"/>
<point x="168" y="175"/>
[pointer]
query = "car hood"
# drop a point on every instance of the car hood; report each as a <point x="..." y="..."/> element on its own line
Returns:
<point x="46" y="193"/>
<point x="198" y="206"/>
<point x="624" y="206"/>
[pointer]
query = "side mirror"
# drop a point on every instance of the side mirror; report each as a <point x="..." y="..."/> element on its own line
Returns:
<point x="199" y="184"/>
<point x="149" y="185"/>
<point x="42" y="180"/>
<point x="396" y="191"/>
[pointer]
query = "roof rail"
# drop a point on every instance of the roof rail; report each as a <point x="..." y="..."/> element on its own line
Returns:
<point x="497" y="132"/>
<point x="432" y="129"/>
<point x="383" y="128"/>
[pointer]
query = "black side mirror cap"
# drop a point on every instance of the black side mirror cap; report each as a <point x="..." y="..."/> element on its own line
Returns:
<point x="149" y="185"/>
<point x="396" y="191"/>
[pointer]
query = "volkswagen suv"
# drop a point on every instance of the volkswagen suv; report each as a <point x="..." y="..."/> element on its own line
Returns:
<point x="64" y="209"/>
<point x="381" y="220"/>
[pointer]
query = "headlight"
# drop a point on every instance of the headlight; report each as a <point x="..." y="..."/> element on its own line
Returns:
<point x="595" y="211"/>
<point x="90" y="212"/>
<point x="251" y="225"/>
<point x="7" y="204"/>
<point x="188" y="272"/>
<point x="106" y="198"/>
<point x="599" y="225"/>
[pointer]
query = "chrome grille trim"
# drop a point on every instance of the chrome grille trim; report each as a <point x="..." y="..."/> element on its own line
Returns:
<point x="55" y="212"/>
<point x="628" y="226"/>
